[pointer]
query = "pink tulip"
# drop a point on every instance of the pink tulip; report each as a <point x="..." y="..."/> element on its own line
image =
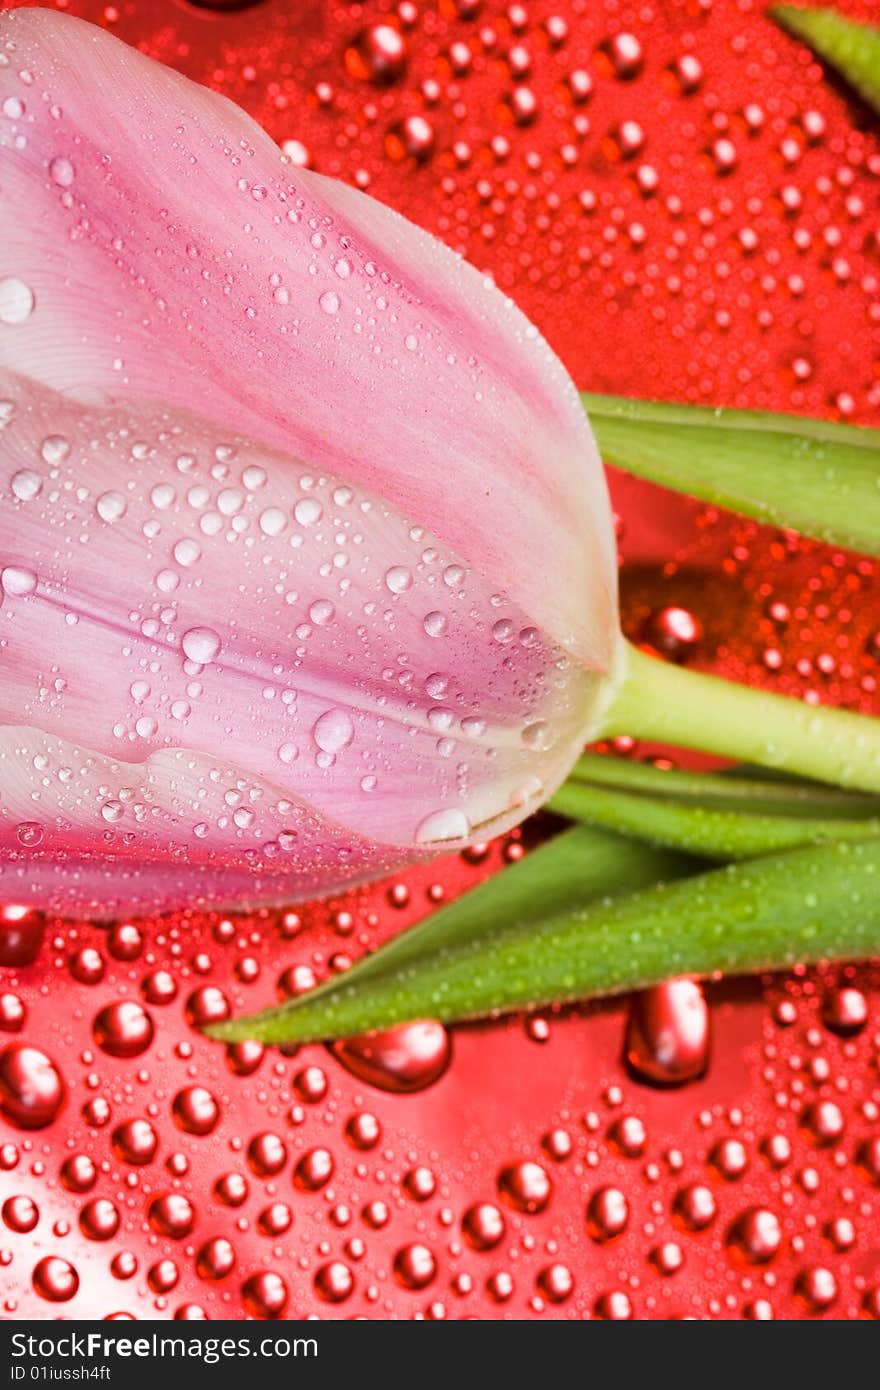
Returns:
<point x="307" y="563"/>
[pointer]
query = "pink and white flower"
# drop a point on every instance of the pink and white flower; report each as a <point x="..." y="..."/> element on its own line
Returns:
<point x="307" y="563"/>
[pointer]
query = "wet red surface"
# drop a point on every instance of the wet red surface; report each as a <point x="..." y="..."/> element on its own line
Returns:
<point x="687" y="208"/>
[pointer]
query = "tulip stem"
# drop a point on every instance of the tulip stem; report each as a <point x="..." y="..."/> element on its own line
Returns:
<point x="661" y="702"/>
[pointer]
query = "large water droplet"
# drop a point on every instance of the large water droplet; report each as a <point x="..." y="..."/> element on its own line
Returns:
<point x="18" y="582"/>
<point x="333" y="731"/>
<point x="26" y="484"/>
<point x="200" y="644"/>
<point x="449" y="824"/>
<point x="401" y="1060"/>
<point x="16" y="300"/>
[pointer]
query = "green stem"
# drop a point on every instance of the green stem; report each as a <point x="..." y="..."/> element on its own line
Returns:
<point x="735" y="789"/>
<point x="709" y="831"/>
<point x="658" y="701"/>
<point x="808" y="475"/>
<point x="803" y="906"/>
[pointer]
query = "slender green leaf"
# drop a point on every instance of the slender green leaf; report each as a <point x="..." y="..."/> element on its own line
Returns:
<point x="807" y="475"/>
<point x="802" y="906"/>
<point x="698" y="828"/>
<point x="851" y="49"/>
<point x="570" y="869"/>
<point x="734" y="789"/>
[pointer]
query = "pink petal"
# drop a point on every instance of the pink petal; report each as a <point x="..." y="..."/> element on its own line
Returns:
<point x="154" y="244"/>
<point x="232" y="677"/>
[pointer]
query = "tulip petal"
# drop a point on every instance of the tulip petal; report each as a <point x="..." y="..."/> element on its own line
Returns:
<point x="210" y="661"/>
<point x="154" y="245"/>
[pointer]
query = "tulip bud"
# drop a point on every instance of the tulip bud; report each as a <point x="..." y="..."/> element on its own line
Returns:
<point x="305" y="548"/>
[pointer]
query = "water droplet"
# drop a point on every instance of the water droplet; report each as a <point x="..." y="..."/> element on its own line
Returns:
<point x="29" y="833"/>
<point x="216" y="1259"/>
<point x="695" y="1207"/>
<point x="668" y="1033"/>
<point x="483" y="1226"/>
<point x="200" y="644"/>
<point x="308" y="511"/>
<point x="265" y="1295"/>
<point x="363" y="1131"/>
<point x="398" y="579"/>
<point x="55" y="449"/>
<point x="449" y="824"/>
<point x="321" y="612"/>
<point x="756" y="1235"/>
<point x="55" y="1279"/>
<point x="845" y="1010"/>
<point x="377" y="54"/>
<point x="273" y="521"/>
<point x="163" y="1276"/>
<point x="111" y="506"/>
<point x="333" y="731"/>
<point x="334" y="1281"/>
<point x="266" y="1154"/>
<point x="172" y="1215"/>
<point x="20" y="1214"/>
<point x="16" y="582"/>
<point x="314" y="1170"/>
<point x="195" y="1110"/>
<point x="401" y="1060"/>
<point x="21" y="934"/>
<point x="135" y="1142"/>
<point x="231" y="1189"/>
<point x="527" y="1186"/>
<point x="31" y="1088"/>
<point x="187" y="551"/>
<point x="607" y="1214"/>
<point x="16" y="301"/>
<point x="415" y="1266"/>
<point x="26" y="485"/>
<point x="78" y="1173"/>
<point x="61" y="172"/>
<point x="99" y="1219"/>
<point x="124" y="1029"/>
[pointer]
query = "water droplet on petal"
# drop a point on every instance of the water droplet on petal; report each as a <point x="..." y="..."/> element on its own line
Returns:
<point x="18" y="583"/>
<point x="200" y="644"/>
<point x="450" y="824"/>
<point x="333" y="731"/>
<point x="26" y="484"/>
<point x="111" y="506"/>
<point x="398" y="579"/>
<point x="61" y="172"/>
<point x="54" y="449"/>
<point x="16" y="300"/>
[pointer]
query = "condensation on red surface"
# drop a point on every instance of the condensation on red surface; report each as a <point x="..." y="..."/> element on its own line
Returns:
<point x="695" y="218"/>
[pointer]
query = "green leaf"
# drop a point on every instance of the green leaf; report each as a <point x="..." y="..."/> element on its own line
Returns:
<point x="735" y="789"/>
<point x="802" y="906"/>
<point x="806" y="475"/>
<point x="851" y="49"/>
<point x="572" y="868"/>
<point x="703" y="829"/>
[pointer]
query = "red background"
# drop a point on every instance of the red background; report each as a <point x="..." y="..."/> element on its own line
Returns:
<point x="726" y="251"/>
